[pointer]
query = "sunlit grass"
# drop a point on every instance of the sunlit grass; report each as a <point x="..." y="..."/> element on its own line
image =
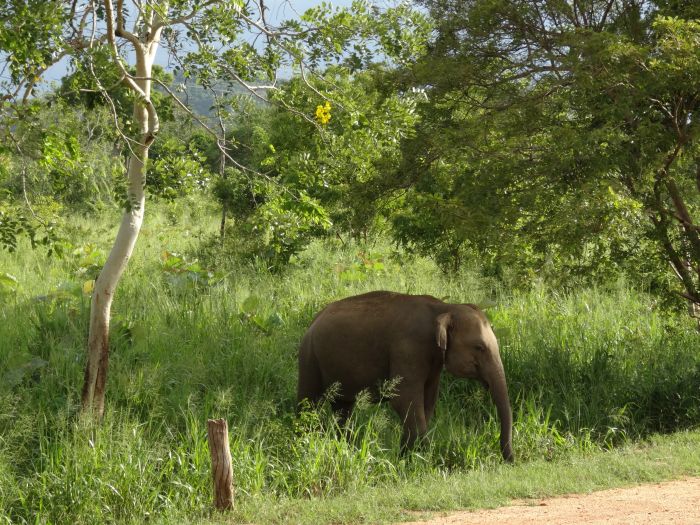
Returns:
<point x="588" y="370"/>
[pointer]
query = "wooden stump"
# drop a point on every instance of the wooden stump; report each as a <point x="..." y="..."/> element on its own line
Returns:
<point x="221" y="466"/>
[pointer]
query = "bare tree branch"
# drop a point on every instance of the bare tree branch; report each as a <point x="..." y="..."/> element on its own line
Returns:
<point x="184" y="18"/>
<point x="126" y="77"/>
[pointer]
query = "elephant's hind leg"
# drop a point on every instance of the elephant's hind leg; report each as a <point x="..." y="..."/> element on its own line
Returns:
<point x="310" y="385"/>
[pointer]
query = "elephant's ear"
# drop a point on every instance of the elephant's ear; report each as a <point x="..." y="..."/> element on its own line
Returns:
<point x="444" y="321"/>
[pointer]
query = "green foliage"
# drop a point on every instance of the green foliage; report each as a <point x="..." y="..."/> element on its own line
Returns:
<point x="567" y="162"/>
<point x="588" y="370"/>
<point x="8" y="283"/>
<point x="176" y="168"/>
<point x="62" y="159"/>
<point x="563" y="166"/>
<point x="95" y="83"/>
<point x="253" y="312"/>
<point x="347" y="164"/>
<point x="323" y="176"/>
<point x="183" y="275"/>
<point x="370" y="264"/>
<point x="16" y="223"/>
<point x="284" y="227"/>
<point x="295" y="200"/>
<point x="353" y="35"/>
<point x="277" y="229"/>
<point x="236" y="193"/>
<point x="66" y="159"/>
<point x="86" y="261"/>
<point x="30" y="34"/>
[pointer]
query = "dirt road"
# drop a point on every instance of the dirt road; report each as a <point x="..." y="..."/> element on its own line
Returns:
<point x="674" y="502"/>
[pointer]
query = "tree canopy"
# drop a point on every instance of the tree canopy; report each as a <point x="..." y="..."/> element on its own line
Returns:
<point x="559" y="135"/>
<point x="542" y="140"/>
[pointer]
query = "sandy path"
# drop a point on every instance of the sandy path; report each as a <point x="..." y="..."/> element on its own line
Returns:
<point x="674" y="502"/>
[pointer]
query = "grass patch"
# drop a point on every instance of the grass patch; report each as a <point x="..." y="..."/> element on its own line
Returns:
<point x="658" y="458"/>
<point x="588" y="370"/>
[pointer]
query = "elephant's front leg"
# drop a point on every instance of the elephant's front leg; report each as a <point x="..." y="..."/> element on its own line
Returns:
<point x="430" y="397"/>
<point x="410" y="409"/>
<point x="342" y="410"/>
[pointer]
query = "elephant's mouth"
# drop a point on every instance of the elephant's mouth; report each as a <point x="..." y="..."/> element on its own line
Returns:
<point x="484" y="383"/>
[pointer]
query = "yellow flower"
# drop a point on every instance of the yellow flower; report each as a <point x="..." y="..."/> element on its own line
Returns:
<point x="323" y="113"/>
<point x="88" y="286"/>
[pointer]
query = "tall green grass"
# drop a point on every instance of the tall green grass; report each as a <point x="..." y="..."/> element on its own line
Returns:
<point x="587" y="370"/>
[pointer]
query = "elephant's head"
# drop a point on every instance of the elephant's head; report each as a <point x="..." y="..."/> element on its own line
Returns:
<point x="470" y="350"/>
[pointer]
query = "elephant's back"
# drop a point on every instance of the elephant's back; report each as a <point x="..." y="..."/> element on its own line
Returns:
<point x="379" y="301"/>
<point x="352" y="325"/>
<point x="373" y="315"/>
<point x="352" y="339"/>
<point x="361" y="315"/>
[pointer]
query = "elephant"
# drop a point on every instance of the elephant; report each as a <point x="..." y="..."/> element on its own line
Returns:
<point x="361" y="341"/>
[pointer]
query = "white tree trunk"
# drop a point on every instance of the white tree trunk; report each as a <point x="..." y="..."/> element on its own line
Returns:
<point x="93" y="394"/>
<point x="98" y="340"/>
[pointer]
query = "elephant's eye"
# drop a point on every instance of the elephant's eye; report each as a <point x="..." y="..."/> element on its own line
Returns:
<point x="480" y="348"/>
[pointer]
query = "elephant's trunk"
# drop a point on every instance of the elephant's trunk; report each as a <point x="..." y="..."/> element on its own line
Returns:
<point x="499" y="394"/>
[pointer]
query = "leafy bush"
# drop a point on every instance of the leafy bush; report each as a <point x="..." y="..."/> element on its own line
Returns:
<point x="177" y="168"/>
